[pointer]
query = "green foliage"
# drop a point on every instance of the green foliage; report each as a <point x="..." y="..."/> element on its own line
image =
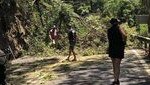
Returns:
<point x="90" y="18"/>
<point x="83" y="9"/>
<point x="143" y="30"/>
<point x="130" y="31"/>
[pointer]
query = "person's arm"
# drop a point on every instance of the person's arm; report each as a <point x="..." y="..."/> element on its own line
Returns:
<point x="123" y="33"/>
<point x="49" y="34"/>
<point x="76" y="37"/>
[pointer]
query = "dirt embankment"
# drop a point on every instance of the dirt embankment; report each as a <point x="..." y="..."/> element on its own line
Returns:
<point x="13" y="26"/>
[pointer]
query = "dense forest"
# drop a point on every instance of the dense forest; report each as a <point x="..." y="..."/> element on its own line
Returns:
<point x="26" y="23"/>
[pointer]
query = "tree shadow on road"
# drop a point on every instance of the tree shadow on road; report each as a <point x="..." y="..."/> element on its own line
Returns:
<point x="87" y="72"/>
<point x="147" y="59"/>
<point x="99" y="72"/>
<point x="17" y="72"/>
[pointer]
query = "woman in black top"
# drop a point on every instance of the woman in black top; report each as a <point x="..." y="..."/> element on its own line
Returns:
<point x="117" y="41"/>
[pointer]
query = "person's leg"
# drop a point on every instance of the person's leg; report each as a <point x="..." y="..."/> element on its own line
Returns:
<point x="53" y="41"/>
<point x="70" y="50"/>
<point x="68" y="58"/>
<point x="74" y="54"/>
<point x="117" y="63"/>
<point x="116" y="69"/>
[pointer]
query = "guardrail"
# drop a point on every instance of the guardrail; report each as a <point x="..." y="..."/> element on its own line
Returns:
<point x="145" y="41"/>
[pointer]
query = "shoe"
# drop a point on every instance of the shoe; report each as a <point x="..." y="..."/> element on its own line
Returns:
<point x="67" y="59"/>
<point x="74" y="60"/>
<point x="116" y="83"/>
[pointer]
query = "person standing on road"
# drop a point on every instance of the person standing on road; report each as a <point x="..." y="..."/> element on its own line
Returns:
<point x="117" y="41"/>
<point x="72" y="41"/>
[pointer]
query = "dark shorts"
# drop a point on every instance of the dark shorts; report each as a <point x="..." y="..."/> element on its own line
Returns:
<point x="116" y="52"/>
<point x="72" y="45"/>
